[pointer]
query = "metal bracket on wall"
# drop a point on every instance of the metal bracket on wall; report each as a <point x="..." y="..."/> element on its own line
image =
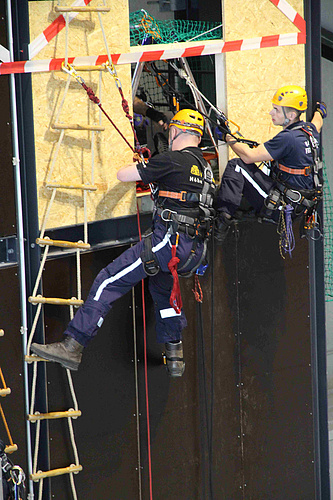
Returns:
<point x="8" y="250"/>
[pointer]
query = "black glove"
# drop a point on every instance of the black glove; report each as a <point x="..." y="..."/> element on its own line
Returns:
<point x="321" y="108"/>
<point x="155" y="115"/>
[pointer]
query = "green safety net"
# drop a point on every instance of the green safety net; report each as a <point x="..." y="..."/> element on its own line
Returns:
<point x="328" y="237"/>
<point x="144" y="28"/>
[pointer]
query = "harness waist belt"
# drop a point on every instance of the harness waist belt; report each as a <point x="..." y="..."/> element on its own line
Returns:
<point x="186" y="224"/>
<point x="302" y="197"/>
<point x="296" y="171"/>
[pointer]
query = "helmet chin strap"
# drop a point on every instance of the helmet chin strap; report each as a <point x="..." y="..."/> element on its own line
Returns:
<point x="287" y="120"/>
<point x="192" y="132"/>
<point x="172" y="140"/>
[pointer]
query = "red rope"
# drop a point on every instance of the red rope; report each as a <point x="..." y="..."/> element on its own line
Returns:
<point x="175" y="297"/>
<point x="93" y="97"/>
<point x="198" y="294"/>
<point x="146" y="371"/>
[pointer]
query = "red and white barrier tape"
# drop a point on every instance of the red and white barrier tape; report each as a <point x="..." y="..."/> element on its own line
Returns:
<point x="291" y="14"/>
<point x="198" y="49"/>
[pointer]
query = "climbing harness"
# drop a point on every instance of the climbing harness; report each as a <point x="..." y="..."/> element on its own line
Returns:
<point x="149" y="260"/>
<point x="302" y="202"/>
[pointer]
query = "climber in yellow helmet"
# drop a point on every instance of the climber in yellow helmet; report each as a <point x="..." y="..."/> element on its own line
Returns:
<point x="183" y="217"/>
<point x="293" y="179"/>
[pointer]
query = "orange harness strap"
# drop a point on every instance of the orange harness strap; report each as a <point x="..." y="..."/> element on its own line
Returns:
<point x="296" y="171"/>
<point x="171" y="194"/>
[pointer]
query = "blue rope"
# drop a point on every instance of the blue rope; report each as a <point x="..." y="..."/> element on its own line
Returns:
<point x="287" y="235"/>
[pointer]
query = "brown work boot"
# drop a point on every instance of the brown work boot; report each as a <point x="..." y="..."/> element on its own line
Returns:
<point x="68" y="352"/>
<point x="174" y="358"/>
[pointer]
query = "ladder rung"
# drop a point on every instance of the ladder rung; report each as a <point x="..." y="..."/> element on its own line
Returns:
<point x="56" y="301"/>
<point x="11" y="448"/>
<point x="33" y="358"/>
<point x="77" y="126"/>
<point x="88" y="187"/>
<point x="55" y="414"/>
<point x="102" y="67"/>
<point x="5" y="392"/>
<point x="81" y="9"/>
<point x="60" y="243"/>
<point x="56" y="472"/>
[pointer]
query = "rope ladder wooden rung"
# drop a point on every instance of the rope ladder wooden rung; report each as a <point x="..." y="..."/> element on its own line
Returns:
<point x="56" y="301"/>
<point x="72" y="469"/>
<point x="81" y="9"/>
<point x="85" y="187"/>
<point x="54" y="415"/>
<point x="33" y="357"/>
<point x="5" y="391"/>
<point x="77" y="126"/>
<point x="63" y="244"/>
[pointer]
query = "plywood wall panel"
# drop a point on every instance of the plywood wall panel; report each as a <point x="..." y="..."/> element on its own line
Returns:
<point x="73" y="164"/>
<point x="254" y="75"/>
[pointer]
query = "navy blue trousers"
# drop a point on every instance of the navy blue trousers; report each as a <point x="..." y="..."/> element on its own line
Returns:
<point x="241" y="179"/>
<point x="125" y="272"/>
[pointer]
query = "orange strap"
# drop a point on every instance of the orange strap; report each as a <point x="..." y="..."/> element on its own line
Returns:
<point x="296" y="171"/>
<point x="171" y="194"/>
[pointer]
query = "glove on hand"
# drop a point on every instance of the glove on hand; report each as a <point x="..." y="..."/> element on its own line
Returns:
<point x="219" y="135"/>
<point x="155" y="115"/>
<point x="321" y="108"/>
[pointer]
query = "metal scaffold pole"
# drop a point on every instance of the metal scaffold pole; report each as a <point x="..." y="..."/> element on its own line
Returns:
<point x="20" y="235"/>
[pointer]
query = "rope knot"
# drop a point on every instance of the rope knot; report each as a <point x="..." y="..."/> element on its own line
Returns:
<point x="175" y="297"/>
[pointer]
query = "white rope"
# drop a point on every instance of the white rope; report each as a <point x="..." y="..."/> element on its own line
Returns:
<point x="205" y="32"/>
<point x="71" y="432"/>
<point x="33" y="328"/>
<point x="33" y="389"/>
<point x="36" y="447"/>
<point x="66" y="39"/>
<point x="182" y="73"/>
<point x="40" y="272"/>
<point x="78" y="273"/>
<point x="69" y="79"/>
<point x="71" y="478"/>
<point x="49" y="175"/>
<point x="104" y="37"/>
<point x="47" y="213"/>
<point x="85" y="226"/>
<point x="40" y="494"/>
<point x="71" y="387"/>
<point x="92" y="156"/>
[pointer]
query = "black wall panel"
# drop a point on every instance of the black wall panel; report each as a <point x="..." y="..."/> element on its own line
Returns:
<point x="11" y="363"/>
<point x="262" y="430"/>
<point x="7" y="191"/>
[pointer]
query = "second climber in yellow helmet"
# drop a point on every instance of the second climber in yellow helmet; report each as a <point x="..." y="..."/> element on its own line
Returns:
<point x="291" y="155"/>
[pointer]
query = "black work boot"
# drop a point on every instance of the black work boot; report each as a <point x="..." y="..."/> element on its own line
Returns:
<point x="174" y="358"/>
<point x="68" y="352"/>
<point x="222" y="226"/>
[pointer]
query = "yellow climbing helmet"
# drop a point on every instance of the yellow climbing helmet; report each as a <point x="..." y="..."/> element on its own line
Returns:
<point x="188" y="120"/>
<point x="291" y="96"/>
